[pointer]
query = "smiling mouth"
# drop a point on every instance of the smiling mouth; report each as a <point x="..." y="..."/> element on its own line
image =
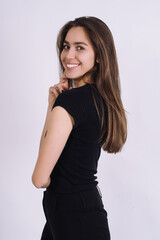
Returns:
<point x="70" y="66"/>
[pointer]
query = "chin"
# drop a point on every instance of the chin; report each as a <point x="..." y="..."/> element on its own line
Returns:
<point x="78" y="76"/>
<point x="72" y="75"/>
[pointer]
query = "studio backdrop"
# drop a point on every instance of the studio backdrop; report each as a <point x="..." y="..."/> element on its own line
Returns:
<point x="130" y="180"/>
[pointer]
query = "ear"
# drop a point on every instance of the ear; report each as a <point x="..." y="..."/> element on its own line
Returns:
<point x="97" y="60"/>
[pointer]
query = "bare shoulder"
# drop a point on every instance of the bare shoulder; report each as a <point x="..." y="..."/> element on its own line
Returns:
<point x="59" y="113"/>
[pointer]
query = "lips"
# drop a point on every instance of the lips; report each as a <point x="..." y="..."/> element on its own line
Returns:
<point x="71" y="66"/>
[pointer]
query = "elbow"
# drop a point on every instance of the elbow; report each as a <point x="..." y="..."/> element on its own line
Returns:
<point x="35" y="182"/>
<point x="39" y="183"/>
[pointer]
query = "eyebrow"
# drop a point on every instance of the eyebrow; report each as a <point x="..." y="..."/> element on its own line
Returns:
<point x="76" y="43"/>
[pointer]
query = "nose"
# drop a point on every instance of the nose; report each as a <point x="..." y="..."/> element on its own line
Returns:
<point x="70" y="54"/>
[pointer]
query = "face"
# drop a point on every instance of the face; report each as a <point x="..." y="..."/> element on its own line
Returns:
<point x="78" y="55"/>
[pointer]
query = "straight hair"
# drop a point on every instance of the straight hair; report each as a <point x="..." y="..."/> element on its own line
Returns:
<point x="105" y="78"/>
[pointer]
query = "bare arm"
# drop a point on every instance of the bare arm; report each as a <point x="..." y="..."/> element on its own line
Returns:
<point x="60" y="125"/>
<point x="44" y="132"/>
<point x="56" y="131"/>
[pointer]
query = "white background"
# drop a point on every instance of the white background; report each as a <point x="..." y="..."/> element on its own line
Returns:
<point x="129" y="181"/>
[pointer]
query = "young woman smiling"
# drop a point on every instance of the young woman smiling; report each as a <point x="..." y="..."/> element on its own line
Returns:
<point x="79" y="122"/>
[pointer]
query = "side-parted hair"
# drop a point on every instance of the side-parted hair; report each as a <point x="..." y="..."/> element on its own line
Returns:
<point x="105" y="79"/>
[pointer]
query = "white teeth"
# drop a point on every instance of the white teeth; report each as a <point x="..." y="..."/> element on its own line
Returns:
<point x="72" y="65"/>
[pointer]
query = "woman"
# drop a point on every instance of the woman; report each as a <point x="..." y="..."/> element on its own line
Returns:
<point x="80" y="121"/>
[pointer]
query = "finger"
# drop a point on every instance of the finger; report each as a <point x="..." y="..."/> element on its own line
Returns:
<point x="63" y="80"/>
<point x="56" y="86"/>
<point x="66" y="84"/>
<point x="63" y="86"/>
<point x="63" y="77"/>
<point x="58" y="89"/>
<point x="55" y="93"/>
<point x="54" y="90"/>
<point x="51" y="89"/>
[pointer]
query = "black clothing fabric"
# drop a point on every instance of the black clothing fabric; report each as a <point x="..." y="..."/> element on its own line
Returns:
<point x="76" y="168"/>
<point x="79" y="216"/>
<point x="72" y="203"/>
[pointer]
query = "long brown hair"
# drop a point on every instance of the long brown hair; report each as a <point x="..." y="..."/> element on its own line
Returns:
<point x="105" y="76"/>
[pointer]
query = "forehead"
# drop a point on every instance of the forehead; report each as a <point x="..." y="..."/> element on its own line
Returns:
<point x="77" y="34"/>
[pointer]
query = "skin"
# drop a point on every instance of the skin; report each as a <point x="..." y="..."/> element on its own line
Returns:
<point x="59" y="123"/>
<point x="78" y="55"/>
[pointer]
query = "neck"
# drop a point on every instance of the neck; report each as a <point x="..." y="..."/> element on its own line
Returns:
<point x="79" y="83"/>
<point x="82" y="81"/>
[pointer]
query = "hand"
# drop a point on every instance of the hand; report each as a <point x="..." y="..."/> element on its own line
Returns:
<point x="55" y="90"/>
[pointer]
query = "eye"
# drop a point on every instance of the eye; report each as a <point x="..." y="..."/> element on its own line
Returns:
<point x="80" y="48"/>
<point x="66" y="47"/>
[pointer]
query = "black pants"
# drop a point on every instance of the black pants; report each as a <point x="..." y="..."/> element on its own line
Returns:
<point x="78" y="216"/>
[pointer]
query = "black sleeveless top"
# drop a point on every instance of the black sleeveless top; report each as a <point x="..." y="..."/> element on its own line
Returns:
<point x="76" y="168"/>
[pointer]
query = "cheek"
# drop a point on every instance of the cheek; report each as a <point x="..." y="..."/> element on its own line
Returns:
<point x="62" y="56"/>
<point x="91" y="60"/>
